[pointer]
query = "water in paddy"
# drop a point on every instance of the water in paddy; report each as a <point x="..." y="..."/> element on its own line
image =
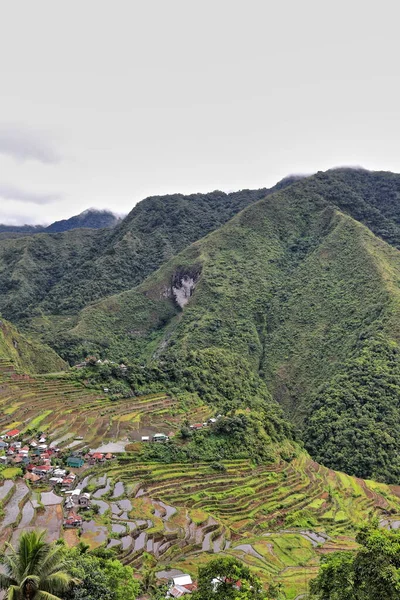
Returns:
<point x="103" y="506"/>
<point x="126" y="542"/>
<point x="5" y="488"/>
<point x="314" y="538"/>
<point x="28" y="512"/>
<point x="74" y="443"/>
<point x="56" y="443"/>
<point x="140" y="541"/>
<point x="11" y="509"/>
<point x="103" y="490"/>
<point x="115" y="509"/>
<point x="50" y="498"/>
<point x="85" y="481"/>
<point x="125" y="504"/>
<point x="217" y="544"/>
<point x="116" y="528"/>
<point x="249" y="550"/>
<point x="114" y="543"/>
<point x="136" y="524"/>
<point x="113" y="447"/>
<point x="101" y="532"/>
<point x="118" y="490"/>
<point x="206" y="546"/>
<point x="166" y="512"/>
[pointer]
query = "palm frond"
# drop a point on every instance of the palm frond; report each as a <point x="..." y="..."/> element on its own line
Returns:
<point x="57" y="582"/>
<point x="13" y="592"/>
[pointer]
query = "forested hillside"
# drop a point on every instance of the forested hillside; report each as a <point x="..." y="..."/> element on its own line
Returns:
<point x="26" y="354"/>
<point x="295" y="300"/>
<point x="291" y="295"/>
<point x="59" y="274"/>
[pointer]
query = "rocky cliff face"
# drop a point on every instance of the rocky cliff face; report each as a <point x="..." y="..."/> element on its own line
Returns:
<point x="183" y="284"/>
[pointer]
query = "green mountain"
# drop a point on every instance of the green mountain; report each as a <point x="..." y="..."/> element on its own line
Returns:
<point x="292" y="298"/>
<point x="25" y="354"/>
<point x="59" y="274"/>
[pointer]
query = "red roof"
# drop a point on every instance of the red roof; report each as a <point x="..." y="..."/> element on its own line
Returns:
<point x="75" y="517"/>
<point x="44" y="467"/>
<point x="13" y="432"/>
<point x="98" y="455"/>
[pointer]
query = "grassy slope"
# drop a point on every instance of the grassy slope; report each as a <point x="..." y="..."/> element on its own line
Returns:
<point x="26" y="354"/>
<point x="290" y="290"/>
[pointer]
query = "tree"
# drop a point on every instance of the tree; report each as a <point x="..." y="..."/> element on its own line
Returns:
<point x="36" y="570"/>
<point x="101" y="576"/>
<point x="149" y="579"/>
<point x="370" y="573"/>
<point x="226" y="578"/>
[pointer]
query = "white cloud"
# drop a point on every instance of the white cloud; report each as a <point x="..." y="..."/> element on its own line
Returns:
<point x="10" y="192"/>
<point x="25" y="144"/>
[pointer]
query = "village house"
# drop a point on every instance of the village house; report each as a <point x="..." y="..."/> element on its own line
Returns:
<point x="60" y="472"/>
<point x="32" y="477"/>
<point x="4" y="460"/>
<point x="73" y="520"/>
<point x="75" y="461"/>
<point x="96" y="457"/>
<point x="12" y="434"/>
<point x="84" y="500"/>
<point x="42" y="470"/>
<point x="3" y="445"/>
<point x="55" y="480"/>
<point x="180" y="586"/>
<point x="67" y="483"/>
<point x="160" y="437"/>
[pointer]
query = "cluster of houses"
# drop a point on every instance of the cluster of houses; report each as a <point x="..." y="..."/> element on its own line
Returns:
<point x="157" y="437"/>
<point x="35" y="456"/>
<point x="92" y="361"/>
<point x="210" y="421"/>
<point x="180" y="586"/>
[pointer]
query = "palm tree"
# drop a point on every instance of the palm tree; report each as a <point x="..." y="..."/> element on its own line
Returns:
<point x="36" y="570"/>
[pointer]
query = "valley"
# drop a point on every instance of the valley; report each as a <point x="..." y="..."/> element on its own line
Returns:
<point x="215" y="375"/>
<point x="279" y="517"/>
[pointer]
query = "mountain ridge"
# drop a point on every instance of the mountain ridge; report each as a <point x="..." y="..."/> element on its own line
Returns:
<point x="292" y="300"/>
<point x="92" y="218"/>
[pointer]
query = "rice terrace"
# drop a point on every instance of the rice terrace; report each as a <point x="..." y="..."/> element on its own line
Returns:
<point x="279" y="518"/>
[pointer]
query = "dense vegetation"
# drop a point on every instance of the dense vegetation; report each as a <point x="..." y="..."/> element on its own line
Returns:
<point x="45" y="275"/>
<point x="293" y="300"/>
<point x="27" y="354"/>
<point x="370" y="573"/>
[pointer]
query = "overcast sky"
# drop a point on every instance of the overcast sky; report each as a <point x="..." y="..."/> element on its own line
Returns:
<point x="104" y="103"/>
